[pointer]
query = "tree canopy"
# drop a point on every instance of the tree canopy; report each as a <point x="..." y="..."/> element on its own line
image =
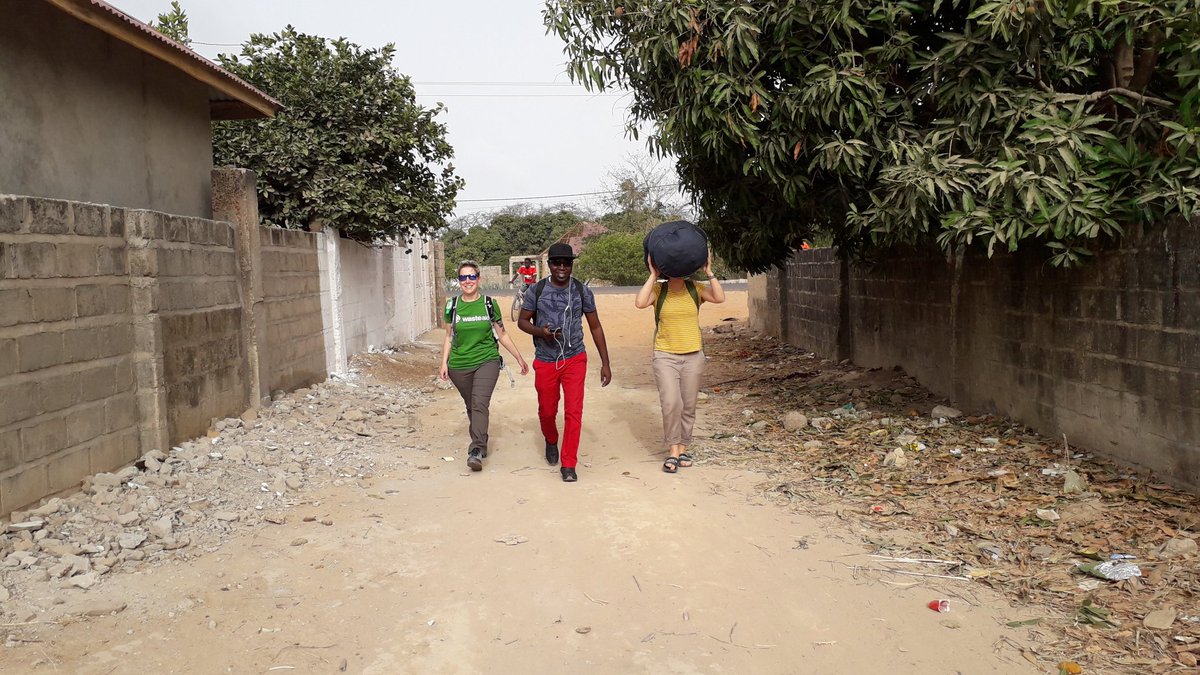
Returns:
<point x="352" y="147"/>
<point x="506" y="234"/>
<point x="1000" y="123"/>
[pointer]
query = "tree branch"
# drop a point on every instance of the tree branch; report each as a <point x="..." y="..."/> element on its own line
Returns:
<point x="1115" y="91"/>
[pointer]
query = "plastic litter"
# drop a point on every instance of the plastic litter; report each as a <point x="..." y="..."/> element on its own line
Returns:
<point x="1111" y="569"/>
<point x="939" y="605"/>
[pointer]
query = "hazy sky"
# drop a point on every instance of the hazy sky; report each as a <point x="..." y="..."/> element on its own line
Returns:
<point x="531" y="140"/>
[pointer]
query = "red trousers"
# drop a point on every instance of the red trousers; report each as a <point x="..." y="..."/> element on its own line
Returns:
<point x="548" y="378"/>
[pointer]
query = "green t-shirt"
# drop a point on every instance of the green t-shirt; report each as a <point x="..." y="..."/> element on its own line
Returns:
<point x="472" y="342"/>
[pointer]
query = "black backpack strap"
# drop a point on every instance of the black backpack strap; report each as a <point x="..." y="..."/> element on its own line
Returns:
<point x="454" y="321"/>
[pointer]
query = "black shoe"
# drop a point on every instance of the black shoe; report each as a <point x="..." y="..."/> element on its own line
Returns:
<point x="568" y="474"/>
<point x="551" y="453"/>
<point x="475" y="460"/>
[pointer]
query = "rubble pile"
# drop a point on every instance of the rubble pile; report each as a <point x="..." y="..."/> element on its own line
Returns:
<point x="181" y="502"/>
<point x="1102" y="560"/>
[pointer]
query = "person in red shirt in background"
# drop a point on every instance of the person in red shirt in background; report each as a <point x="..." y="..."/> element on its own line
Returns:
<point x="527" y="272"/>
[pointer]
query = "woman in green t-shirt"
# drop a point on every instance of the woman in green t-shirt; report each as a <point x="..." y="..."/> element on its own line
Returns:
<point x="471" y="355"/>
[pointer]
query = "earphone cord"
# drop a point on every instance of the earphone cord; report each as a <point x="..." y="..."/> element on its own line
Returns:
<point x="566" y="336"/>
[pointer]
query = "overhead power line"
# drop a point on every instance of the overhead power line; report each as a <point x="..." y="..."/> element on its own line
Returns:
<point x="573" y="194"/>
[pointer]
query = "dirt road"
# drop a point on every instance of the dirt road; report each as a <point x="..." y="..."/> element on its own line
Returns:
<point x="429" y="568"/>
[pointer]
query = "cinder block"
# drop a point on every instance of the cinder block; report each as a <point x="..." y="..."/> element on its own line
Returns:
<point x="120" y="413"/>
<point x="81" y="344"/>
<point x="141" y="224"/>
<point x="43" y="439"/>
<point x="175" y="228"/>
<point x="115" y="451"/>
<point x="111" y="261"/>
<point x="14" y="214"/>
<point x="24" y="488"/>
<point x="10" y="449"/>
<point x="116" y="222"/>
<point x="77" y="260"/>
<point x="35" y="260"/>
<point x="53" y="304"/>
<point x="8" y="356"/>
<point x="91" y="220"/>
<point x="84" y="424"/>
<point x="21" y="401"/>
<point x="124" y="375"/>
<point x="35" y="352"/>
<point x="16" y="307"/>
<point x="49" y="216"/>
<point x="67" y="469"/>
<point x="92" y="300"/>
<point x="143" y="262"/>
<point x="59" y="392"/>
<point x="143" y="296"/>
<point x="98" y="384"/>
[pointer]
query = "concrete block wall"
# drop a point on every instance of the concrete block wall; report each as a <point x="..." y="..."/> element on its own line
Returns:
<point x="294" y="356"/>
<point x="125" y="330"/>
<point x="374" y="296"/>
<point x="200" y="310"/>
<point x="1108" y="354"/>
<point x="365" y="271"/>
<point x="69" y="403"/>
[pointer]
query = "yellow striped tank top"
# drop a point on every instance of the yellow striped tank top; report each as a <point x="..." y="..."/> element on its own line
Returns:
<point x="679" y="321"/>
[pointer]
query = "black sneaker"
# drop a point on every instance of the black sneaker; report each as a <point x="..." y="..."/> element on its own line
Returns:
<point x="551" y="453"/>
<point x="475" y="460"/>
<point x="568" y="474"/>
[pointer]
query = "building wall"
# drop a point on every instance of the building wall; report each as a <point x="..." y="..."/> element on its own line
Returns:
<point x="128" y="330"/>
<point x="200" y="311"/>
<point x="292" y="304"/>
<point x="66" y="369"/>
<point x="88" y="118"/>
<point x="1108" y="354"/>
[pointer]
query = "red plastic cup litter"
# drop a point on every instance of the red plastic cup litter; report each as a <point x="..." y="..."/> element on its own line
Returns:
<point x="939" y="605"/>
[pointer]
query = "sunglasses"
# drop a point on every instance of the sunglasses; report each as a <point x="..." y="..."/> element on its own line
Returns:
<point x="562" y="262"/>
<point x="468" y="277"/>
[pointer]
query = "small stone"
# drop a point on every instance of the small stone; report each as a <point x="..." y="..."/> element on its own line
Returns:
<point x="49" y="508"/>
<point x="945" y="411"/>
<point x="812" y="445"/>
<point x="795" y="421"/>
<point x="1159" y="619"/>
<point x="130" y="540"/>
<point x="249" y="416"/>
<point x="235" y="453"/>
<point x="1047" y="514"/>
<point x="85" y="581"/>
<point x="1073" y="483"/>
<point x="299" y="541"/>
<point x="896" y="458"/>
<point x="583" y="630"/>
<point x="1177" y="547"/>
<point x="101" y="608"/>
<point x="27" y="526"/>
<point x="354" y="416"/>
<point x="106" y="480"/>
<point x="162" y="527"/>
<point x="227" y="516"/>
<point x="759" y="425"/>
<point x="293" y="483"/>
<point x="1041" y="552"/>
<point x="131" y="518"/>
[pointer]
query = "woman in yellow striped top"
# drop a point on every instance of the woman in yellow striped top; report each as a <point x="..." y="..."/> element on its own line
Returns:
<point x="678" y="353"/>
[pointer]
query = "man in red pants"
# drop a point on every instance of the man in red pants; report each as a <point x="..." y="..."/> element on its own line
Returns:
<point x="553" y="313"/>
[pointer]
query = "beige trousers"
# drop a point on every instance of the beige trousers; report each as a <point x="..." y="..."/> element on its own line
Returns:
<point x="678" y="379"/>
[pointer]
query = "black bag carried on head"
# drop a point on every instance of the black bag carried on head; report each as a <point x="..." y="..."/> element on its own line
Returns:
<point x="678" y="248"/>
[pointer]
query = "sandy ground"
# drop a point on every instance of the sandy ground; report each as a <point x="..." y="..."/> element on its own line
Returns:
<point x="435" y="569"/>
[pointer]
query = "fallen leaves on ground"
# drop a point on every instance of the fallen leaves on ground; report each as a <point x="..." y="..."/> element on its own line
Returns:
<point x="1019" y="510"/>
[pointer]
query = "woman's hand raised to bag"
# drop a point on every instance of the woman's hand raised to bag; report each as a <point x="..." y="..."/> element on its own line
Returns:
<point x="708" y="265"/>
<point x="653" y="269"/>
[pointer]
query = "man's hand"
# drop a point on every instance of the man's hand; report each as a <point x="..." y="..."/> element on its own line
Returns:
<point x="605" y="375"/>
<point x="550" y="332"/>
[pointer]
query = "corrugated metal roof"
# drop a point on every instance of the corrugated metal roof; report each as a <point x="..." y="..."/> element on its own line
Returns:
<point x="242" y="100"/>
